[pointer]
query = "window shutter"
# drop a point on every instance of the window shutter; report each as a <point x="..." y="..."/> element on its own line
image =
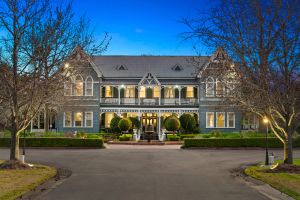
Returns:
<point x="103" y="92"/>
<point x="195" y="92"/>
<point x="122" y="93"/>
<point x="176" y="93"/>
<point x="183" y="93"/>
<point x="115" y="92"/>
<point x="162" y="92"/>
<point x="149" y="92"/>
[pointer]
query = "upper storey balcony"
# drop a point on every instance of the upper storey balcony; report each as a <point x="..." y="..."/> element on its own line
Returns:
<point x="155" y="95"/>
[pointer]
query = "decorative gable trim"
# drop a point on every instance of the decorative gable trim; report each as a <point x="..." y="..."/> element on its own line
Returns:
<point x="149" y="79"/>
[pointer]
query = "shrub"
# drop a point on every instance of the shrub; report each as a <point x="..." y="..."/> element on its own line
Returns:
<point x="173" y="138"/>
<point x="188" y="122"/>
<point x="136" y="124"/>
<point x="172" y="123"/>
<point x="235" y="142"/>
<point x="56" y="142"/>
<point x="81" y="135"/>
<point x="125" y="137"/>
<point x="216" y="134"/>
<point x="183" y="136"/>
<point x="125" y="124"/>
<point x="114" y="124"/>
<point x="197" y="130"/>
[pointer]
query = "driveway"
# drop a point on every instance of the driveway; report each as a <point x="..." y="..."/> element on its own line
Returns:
<point x="148" y="173"/>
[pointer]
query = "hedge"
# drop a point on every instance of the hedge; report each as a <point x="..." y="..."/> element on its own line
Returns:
<point x="173" y="137"/>
<point x="125" y="137"/>
<point x="56" y="142"/>
<point x="235" y="142"/>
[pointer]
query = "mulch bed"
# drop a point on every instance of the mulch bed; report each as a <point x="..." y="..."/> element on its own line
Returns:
<point x="284" y="168"/>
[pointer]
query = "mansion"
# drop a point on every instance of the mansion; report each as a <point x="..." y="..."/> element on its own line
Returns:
<point x="148" y="87"/>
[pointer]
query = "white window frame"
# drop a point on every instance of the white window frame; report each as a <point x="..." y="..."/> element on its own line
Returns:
<point x="210" y="80"/>
<point x="216" y="117"/>
<point x="206" y="121"/>
<point x="86" y="86"/>
<point x="64" y="122"/>
<point x="75" y="84"/>
<point x="85" y="119"/>
<point x="227" y="119"/>
<point x="74" y="121"/>
<point x="216" y="90"/>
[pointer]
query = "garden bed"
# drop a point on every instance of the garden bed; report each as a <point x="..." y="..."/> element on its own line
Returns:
<point x="284" y="178"/>
<point x="15" y="183"/>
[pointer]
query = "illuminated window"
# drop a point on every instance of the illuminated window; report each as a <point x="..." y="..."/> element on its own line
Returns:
<point x="67" y="119"/>
<point x="89" y="86"/>
<point x="78" y="119"/>
<point x="130" y="92"/>
<point x="210" y="87"/>
<point x="220" y="120"/>
<point x="156" y="92"/>
<point x="210" y="116"/>
<point x="220" y="88"/>
<point x="78" y="86"/>
<point x="89" y="119"/>
<point x="108" y="91"/>
<point x="142" y="92"/>
<point x="169" y="92"/>
<point x="189" y="92"/>
<point x="230" y="120"/>
<point x="68" y="88"/>
<point x="108" y="118"/>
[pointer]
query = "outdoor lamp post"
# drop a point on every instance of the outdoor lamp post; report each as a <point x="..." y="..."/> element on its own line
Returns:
<point x="266" y="121"/>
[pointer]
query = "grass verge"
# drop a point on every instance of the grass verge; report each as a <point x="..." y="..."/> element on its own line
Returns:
<point x="287" y="183"/>
<point x="14" y="183"/>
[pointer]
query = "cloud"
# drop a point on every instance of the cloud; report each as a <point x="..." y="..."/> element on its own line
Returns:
<point x="138" y="30"/>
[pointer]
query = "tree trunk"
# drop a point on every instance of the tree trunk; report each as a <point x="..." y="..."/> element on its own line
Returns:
<point x="288" y="149"/>
<point x="14" y="147"/>
<point x="46" y="118"/>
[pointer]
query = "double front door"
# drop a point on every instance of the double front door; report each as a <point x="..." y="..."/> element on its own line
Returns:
<point x="149" y="122"/>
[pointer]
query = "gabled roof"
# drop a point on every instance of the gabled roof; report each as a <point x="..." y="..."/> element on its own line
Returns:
<point x="138" y="66"/>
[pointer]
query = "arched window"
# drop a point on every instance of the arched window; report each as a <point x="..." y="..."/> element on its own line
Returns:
<point x="89" y="86"/>
<point x="68" y="88"/>
<point x="210" y="87"/>
<point x="220" y="88"/>
<point x="78" y="90"/>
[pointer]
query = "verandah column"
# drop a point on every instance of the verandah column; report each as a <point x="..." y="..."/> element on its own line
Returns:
<point x="119" y="94"/>
<point x="179" y="95"/>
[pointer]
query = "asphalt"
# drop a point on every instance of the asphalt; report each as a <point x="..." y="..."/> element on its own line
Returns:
<point x="148" y="173"/>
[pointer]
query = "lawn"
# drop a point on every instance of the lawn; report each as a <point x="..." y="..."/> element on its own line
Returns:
<point x="287" y="183"/>
<point x="14" y="183"/>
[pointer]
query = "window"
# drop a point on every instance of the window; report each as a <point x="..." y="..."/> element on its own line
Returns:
<point x="210" y="116"/>
<point x="230" y="120"/>
<point x="220" y="121"/>
<point x="68" y="88"/>
<point x="156" y="92"/>
<point x="78" y="119"/>
<point x="89" y="86"/>
<point x="67" y="119"/>
<point x="89" y="119"/>
<point x="130" y="92"/>
<point x="189" y="92"/>
<point x="107" y="119"/>
<point x="230" y="88"/>
<point x="169" y="92"/>
<point x="78" y="86"/>
<point x="210" y="87"/>
<point x="142" y="92"/>
<point x="108" y="91"/>
<point x="220" y="88"/>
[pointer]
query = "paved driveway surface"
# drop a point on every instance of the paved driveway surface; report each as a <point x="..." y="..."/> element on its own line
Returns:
<point x="148" y="173"/>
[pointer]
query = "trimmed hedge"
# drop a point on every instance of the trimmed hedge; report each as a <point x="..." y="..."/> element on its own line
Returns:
<point x="173" y="137"/>
<point x="56" y="142"/>
<point x="125" y="137"/>
<point x="235" y="142"/>
<point x="184" y="136"/>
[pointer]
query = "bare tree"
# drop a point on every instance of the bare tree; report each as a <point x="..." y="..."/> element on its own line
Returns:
<point x="263" y="40"/>
<point x="38" y="37"/>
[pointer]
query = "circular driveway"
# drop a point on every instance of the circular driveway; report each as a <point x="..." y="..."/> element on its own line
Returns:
<point x="148" y="173"/>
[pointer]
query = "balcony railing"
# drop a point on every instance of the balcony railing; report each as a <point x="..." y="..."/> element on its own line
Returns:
<point x="149" y="101"/>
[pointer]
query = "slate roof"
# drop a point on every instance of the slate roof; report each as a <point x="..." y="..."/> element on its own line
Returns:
<point x="138" y="66"/>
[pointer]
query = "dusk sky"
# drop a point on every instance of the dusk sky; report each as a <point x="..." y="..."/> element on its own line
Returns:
<point x="142" y="27"/>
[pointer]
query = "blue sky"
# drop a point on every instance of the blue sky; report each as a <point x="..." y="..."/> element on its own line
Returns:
<point x="142" y="26"/>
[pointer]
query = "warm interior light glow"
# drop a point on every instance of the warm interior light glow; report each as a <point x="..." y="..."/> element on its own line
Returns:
<point x="67" y="65"/>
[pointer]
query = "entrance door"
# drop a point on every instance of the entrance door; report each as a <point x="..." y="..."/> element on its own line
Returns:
<point x="149" y="119"/>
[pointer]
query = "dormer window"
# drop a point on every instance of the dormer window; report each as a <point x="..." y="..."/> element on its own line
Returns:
<point x="121" y="67"/>
<point x="177" y="68"/>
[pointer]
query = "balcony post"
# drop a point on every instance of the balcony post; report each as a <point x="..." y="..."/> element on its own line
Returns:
<point x="179" y="96"/>
<point x="119" y="94"/>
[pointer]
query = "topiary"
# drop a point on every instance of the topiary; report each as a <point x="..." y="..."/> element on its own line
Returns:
<point x="114" y="124"/>
<point x="188" y="122"/>
<point x="136" y="124"/>
<point x="172" y="123"/>
<point x="125" y="124"/>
